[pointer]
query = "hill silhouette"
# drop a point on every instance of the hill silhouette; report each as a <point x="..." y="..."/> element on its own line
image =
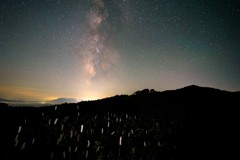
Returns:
<point x="186" y="123"/>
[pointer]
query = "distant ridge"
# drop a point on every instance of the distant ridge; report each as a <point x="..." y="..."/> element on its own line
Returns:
<point x="196" y="98"/>
<point x="194" y="89"/>
<point x="197" y="88"/>
<point x="7" y="100"/>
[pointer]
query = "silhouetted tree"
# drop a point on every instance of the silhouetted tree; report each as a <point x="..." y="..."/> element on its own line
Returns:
<point x="3" y="105"/>
<point x="152" y="91"/>
<point x="142" y="92"/>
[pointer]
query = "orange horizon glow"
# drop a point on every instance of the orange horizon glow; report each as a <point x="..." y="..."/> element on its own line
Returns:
<point x="24" y="93"/>
<point x="32" y="94"/>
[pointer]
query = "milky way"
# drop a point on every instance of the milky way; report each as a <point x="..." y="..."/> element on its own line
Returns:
<point x="98" y="52"/>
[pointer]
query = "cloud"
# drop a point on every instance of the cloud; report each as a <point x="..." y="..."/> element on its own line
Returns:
<point x="38" y="103"/>
<point x="62" y="100"/>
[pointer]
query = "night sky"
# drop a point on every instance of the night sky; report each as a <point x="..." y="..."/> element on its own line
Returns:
<point x="91" y="49"/>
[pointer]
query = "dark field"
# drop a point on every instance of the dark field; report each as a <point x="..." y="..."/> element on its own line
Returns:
<point x="78" y="135"/>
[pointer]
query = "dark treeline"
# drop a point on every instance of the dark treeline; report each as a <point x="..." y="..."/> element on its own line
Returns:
<point x="180" y="124"/>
